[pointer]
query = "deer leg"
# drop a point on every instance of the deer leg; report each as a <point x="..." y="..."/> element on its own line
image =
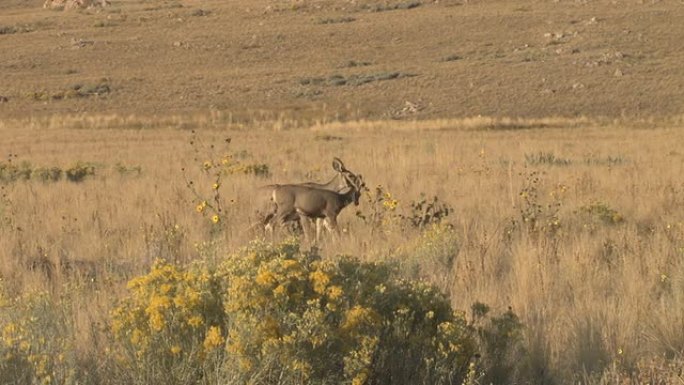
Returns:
<point x="303" y="220"/>
<point x="318" y="227"/>
<point x="281" y="218"/>
<point x="306" y="225"/>
<point x="267" y="222"/>
<point x="331" y="225"/>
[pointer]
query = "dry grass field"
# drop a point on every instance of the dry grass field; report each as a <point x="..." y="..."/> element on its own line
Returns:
<point x="578" y="229"/>
<point x="524" y="157"/>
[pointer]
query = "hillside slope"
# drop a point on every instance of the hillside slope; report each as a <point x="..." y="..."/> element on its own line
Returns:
<point x="345" y="59"/>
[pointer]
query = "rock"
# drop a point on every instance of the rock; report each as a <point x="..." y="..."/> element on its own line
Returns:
<point x="80" y="43"/>
<point x="618" y="73"/>
<point x="74" y="4"/>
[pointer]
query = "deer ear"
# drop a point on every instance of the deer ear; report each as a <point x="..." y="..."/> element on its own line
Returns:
<point x="338" y="165"/>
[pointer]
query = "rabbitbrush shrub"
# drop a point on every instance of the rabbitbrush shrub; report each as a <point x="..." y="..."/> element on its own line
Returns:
<point x="35" y="347"/>
<point x="274" y="314"/>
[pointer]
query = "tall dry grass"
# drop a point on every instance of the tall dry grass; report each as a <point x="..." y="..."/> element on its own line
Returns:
<point x="577" y="227"/>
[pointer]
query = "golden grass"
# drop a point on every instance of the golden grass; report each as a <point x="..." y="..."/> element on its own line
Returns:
<point x="595" y="295"/>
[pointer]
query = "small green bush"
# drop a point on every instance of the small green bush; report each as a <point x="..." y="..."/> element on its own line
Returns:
<point x="433" y="256"/>
<point x="546" y="158"/>
<point x="336" y="20"/>
<point x="11" y="172"/>
<point x="424" y="212"/>
<point x="79" y="172"/>
<point x="603" y="213"/>
<point x="47" y="174"/>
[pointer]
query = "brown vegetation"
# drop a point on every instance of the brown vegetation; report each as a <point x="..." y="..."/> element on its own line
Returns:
<point x="586" y="250"/>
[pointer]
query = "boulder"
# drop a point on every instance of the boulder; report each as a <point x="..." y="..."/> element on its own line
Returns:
<point x="74" y="4"/>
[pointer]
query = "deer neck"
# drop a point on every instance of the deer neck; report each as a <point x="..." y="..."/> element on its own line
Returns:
<point x="347" y="197"/>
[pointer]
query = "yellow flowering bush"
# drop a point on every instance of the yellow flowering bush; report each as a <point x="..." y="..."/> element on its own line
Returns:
<point x="170" y="325"/>
<point x="34" y="343"/>
<point x="274" y="314"/>
<point x="295" y="318"/>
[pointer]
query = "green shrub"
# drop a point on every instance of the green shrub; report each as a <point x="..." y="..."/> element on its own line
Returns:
<point x="47" y="174"/>
<point x="424" y="212"/>
<point x="275" y="314"/>
<point x="433" y="256"/>
<point x="602" y="212"/>
<point x="546" y="158"/>
<point x="79" y="172"/>
<point x="500" y="342"/>
<point x="35" y="348"/>
<point x="11" y="172"/>
<point x="256" y="169"/>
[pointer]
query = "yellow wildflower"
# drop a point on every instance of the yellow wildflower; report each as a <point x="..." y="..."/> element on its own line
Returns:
<point x="175" y="350"/>
<point x="289" y="263"/>
<point x="213" y="339"/>
<point x="358" y="316"/>
<point x="157" y="321"/>
<point x="207" y="164"/>
<point x="159" y="302"/>
<point x="136" y="337"/>
<point x="390" y="204"/>
<point x="360" y="378"/>
<point x="320" y="280"/>
<point x="279" y="291"/>
<point x="335" y="292"/>
<point x="195" y="321"/>
<point x="165" y="288"/>
<point x="215" y="186"/>
<point x="216" y="219"/>
<point x="265" y="278"/>
<point x="201" y="206"/>
<point x="302" y="367"/>
<point x="24" y="346"/>
<point x="245" y="364"/>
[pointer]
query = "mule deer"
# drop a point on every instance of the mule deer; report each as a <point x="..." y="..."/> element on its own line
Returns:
<point x="310" y="202"/>
<point x="337" y="184"/>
